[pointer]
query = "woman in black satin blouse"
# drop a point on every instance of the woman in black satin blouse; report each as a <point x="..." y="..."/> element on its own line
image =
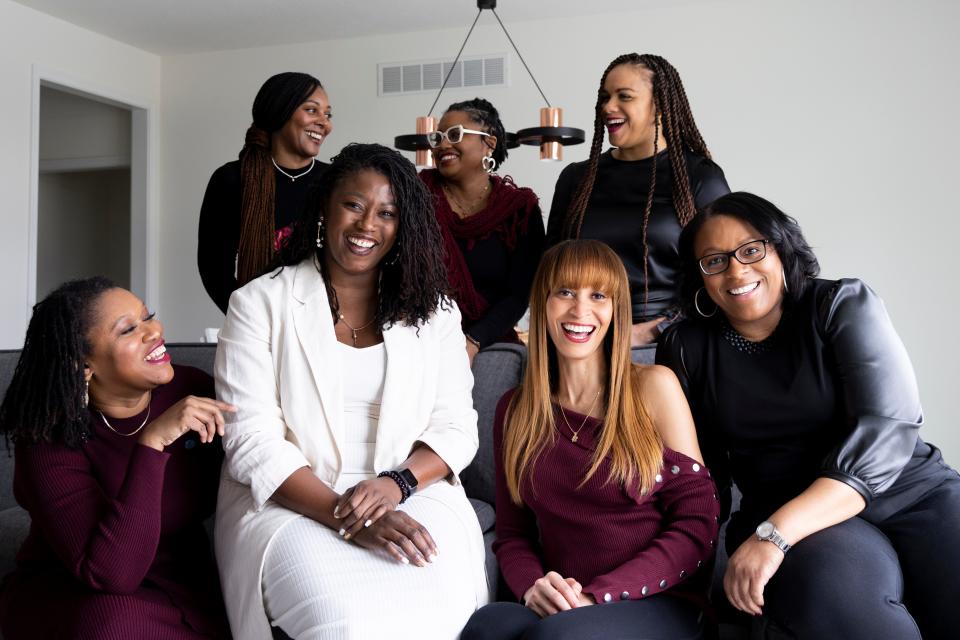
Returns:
<point x="637" y="196"/>
<point x="803" y="394"/>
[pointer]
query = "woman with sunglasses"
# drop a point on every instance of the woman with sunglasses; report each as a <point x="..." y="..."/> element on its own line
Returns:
<point x="637" y="196"/>
<point x="803" y="394"/>
<point x="492" y="229"/>
<point x="250" y="204"/>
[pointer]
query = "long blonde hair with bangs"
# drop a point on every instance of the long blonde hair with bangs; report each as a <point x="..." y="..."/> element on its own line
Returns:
<point x="628" y="437"/>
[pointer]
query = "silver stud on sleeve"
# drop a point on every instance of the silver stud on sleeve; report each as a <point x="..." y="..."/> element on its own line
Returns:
<point x="696" y="467"/>
<point x="658" y="478"/>
<point x="663" y="583"/>
<point x="625" y="595"/>
<point x="674" y="469"/>
<point x="607" y="597"/>
<point x="644" y="591"/>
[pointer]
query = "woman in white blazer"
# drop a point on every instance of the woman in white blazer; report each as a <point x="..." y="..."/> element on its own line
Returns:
<point x="340" y="512"/>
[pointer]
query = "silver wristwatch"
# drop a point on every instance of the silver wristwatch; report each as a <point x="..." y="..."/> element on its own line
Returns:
<point x="768" y="531"/>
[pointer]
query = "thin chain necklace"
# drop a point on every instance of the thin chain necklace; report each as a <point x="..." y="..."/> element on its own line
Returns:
<point x="465" y="210"/>
<point x="299" y="175"/>
<point x="132" y="433"/>
<point x="355" y="330"/>
<point x="576" y="434"/>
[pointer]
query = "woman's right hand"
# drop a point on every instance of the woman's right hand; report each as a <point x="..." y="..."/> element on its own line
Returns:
<point x="203" y="415"/>
<point x="401" y="537"/>
<point x="553" y="593"/>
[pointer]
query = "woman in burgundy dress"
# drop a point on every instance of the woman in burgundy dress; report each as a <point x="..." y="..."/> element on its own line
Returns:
<point x="602" y="496"/>
<point x="117" y="463"/>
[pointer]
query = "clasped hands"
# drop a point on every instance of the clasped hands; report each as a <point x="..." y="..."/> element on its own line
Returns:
<point x="553" y="593"/>
<point x="368" y="516"/>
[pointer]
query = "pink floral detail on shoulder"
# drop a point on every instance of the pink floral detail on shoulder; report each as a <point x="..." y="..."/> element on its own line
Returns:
<point x="281" y="237"/>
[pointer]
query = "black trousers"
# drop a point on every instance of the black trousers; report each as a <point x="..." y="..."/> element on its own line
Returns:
<point x="892" y="579"/>
<point x="657" y="618"/>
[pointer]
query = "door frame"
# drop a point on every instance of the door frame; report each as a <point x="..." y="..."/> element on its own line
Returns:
<point x="144" y="254"/>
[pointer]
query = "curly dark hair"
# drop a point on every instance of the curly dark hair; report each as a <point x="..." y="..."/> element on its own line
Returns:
<point x="413" y="278"/>
<point x="487" y="116"/>
<point x="45" y="399"/>
<point x="800" y="265"/>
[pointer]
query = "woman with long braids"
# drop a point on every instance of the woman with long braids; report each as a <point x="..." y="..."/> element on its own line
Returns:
<point x="602" y="496"/>
<point x="117" y="461"/>
<point x="803" y="394"/>
<point x="492" y="229"/>
<point x="251" y="203"/>
<point x="340" y="513"/>
<point x="637" y="196"/>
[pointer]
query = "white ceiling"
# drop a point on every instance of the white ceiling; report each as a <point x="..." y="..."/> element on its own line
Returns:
<point x="188" y="26"/>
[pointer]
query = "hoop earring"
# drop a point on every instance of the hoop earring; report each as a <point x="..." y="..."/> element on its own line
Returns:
<point x="320" y="233"/>
<point x="489" y="164"/>
<point x="696" y="304"/>
<point x="783" y="274"/>
<point x="86" y="393"/>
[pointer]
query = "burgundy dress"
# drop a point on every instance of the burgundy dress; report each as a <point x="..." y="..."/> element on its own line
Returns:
<point x="117" y="547"/>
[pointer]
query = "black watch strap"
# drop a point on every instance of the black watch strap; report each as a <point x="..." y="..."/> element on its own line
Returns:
<point x="403" y="478"/>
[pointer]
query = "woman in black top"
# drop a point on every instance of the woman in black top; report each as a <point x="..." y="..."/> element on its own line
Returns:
<point x="251" y="203"/>
<point x="803" y="395"/>
<point x="639" y="195"/>
<point x="492" y="229"/>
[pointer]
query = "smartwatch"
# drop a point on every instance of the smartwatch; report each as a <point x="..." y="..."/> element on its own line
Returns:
<point x="768" y="531"/>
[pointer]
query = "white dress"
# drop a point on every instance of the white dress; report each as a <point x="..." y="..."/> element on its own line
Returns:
<point x="316" y="585"/>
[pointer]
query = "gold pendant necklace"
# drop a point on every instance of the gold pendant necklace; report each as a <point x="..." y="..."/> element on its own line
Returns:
<point x="357" y="330"/>
<point x="465" y="210"/>
<point x="576" y="434"/>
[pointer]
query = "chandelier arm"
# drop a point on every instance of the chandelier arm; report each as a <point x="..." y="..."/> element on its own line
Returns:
<point x="506" y="33"/>
<point x="455" y="61"/>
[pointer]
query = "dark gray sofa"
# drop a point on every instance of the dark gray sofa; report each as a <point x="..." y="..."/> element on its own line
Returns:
<point x="496" y="369"/>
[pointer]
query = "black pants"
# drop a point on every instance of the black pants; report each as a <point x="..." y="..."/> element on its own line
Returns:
<point x="895" y="579"/>
<point x="656" y="618"/>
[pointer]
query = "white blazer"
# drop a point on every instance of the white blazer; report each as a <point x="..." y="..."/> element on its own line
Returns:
<point x="278" y="362"/>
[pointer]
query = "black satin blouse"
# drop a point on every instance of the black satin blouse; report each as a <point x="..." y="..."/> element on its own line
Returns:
<point x="615" y="216"/>
<point x="831" y="394"/>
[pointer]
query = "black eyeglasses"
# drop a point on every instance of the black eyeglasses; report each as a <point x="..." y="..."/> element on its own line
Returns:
<point x="748" y="253"/>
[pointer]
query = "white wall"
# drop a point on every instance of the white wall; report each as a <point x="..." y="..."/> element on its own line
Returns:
<point x="77" y="132"/>
<point x="31" y="41"/>
<point x="841" y="112"/>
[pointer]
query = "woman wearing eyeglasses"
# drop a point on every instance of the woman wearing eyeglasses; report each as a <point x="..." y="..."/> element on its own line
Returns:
<point x="803" y="394"/>
<point x="637" y="196"/>
<point x="250" y="204"/>
<point x="492" y="229"/>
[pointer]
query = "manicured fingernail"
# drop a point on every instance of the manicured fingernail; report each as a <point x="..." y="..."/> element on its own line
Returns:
<point x="347" y="537"/>
<point x="433" y="557"/>
<point x="404" y="561"/>
<point x="342" y="531"/>
<point x="336" y="512"/>
<point x="368" y="523"/>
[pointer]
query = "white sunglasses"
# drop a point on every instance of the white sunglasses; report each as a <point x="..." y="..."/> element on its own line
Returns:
<point x="453" y="135"/>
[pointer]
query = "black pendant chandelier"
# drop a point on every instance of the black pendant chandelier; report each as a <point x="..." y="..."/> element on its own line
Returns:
<point x="551" y="136"/>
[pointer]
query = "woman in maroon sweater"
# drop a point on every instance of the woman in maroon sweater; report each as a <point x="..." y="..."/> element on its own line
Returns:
<point x="602" y="496"/>
<point x="115" y="465"/>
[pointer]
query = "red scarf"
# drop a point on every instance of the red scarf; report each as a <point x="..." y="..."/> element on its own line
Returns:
<point x="507" y="214"/>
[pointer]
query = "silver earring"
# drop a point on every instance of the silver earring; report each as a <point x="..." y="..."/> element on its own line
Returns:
<point x="696" y="304"/>
<point x="86" y="393"/>
<point x="320" y="233"/>
<point x="489" y="164"/>
<point x="783" y="274"/>
<point x="396" y="257"/>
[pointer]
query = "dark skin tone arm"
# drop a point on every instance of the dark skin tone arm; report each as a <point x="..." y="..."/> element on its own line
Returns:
<point x="370" y="508"/>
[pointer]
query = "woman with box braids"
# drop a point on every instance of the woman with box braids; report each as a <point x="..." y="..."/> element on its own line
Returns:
<point x="639" y="195"/>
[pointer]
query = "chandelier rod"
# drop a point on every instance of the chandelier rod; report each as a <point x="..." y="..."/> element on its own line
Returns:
<point x="454" y="65"/>
<point x="506" y="33"/>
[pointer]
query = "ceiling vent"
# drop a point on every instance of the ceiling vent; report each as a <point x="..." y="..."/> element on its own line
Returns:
<point x="401" y="78"/>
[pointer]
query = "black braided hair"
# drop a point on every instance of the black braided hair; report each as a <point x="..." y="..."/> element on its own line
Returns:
<point x="413" y="278"/>
<point x="487" y="116"/>
<point x="45" y="399"/>
<point x="672" y="112"/>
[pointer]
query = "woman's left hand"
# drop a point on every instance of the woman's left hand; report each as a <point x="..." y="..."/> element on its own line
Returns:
<point x="365" y="503"/>
<point x="645" y="332"/>
<point x="472" y="351"/>
<point x="748" y="571"/>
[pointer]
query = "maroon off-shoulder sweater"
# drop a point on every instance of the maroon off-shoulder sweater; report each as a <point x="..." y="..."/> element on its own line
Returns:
<point x="116" y="533"/>
<point x="618" y="544"/>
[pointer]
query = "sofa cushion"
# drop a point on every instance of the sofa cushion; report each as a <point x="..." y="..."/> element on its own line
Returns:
<point x="485" y="514"/>
<point x="496" y="370"/>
